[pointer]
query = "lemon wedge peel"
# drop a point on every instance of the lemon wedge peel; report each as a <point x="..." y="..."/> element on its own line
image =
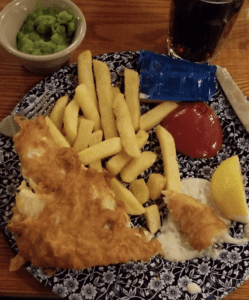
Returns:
<point x="228" y="190"/>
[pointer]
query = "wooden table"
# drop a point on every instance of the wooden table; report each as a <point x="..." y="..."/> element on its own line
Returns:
<point x="112" y="25"/>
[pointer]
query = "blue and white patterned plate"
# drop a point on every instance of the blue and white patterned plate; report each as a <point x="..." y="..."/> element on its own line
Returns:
<point x="159" y="279"/>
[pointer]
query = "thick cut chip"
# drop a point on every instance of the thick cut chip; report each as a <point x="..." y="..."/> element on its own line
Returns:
<point x="71" y="120"/>
<point x="105" y="94"/>
<point x="57" y="113"/>
<point x="115" y="92"/>
<point x="84" y="134"/>
<point x="140" y="190"/>
<point x="125" y="126"/>
<point x="101" y="150"/>
<point x="156" y="184"/>
<point x="118" y="161"/>
<point x="96" y="138"/>
<point x="87" y="106"/>
<point x="131" y="79"/>
<point x="154" y="116"/>
<point x="85" y="75"/>
<point x="152" y="217"/>
<point x="171" y="169"/>
<point x="133" y="206"/>
<point x="137" y="165"/>
<point x="56" y="134"/>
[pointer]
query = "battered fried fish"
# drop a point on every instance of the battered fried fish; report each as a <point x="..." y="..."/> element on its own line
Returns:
<point x="67" y="216"/>
<point x="196" y="221"/>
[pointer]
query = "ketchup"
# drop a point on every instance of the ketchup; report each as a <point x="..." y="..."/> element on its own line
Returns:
<point x="196" y="130"/>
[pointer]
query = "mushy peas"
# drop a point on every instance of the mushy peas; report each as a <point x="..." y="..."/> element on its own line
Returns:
<point x="46" y="31"/>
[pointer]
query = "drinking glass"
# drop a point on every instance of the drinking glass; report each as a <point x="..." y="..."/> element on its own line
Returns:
<point x="199" y="28"/>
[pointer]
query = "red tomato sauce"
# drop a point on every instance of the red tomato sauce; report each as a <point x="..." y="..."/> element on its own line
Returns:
<point x="196" y="130"/>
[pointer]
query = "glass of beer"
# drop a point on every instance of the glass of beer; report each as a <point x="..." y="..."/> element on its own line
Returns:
<point x="198" y="28"/>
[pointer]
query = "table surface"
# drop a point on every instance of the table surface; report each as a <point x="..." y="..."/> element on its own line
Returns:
<point x="112" y="25"/>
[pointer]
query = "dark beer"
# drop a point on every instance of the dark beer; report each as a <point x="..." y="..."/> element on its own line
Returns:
<point x="199" y="27"/>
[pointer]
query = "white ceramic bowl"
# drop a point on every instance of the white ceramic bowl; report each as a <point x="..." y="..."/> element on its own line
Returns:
<point x="11" y="20"/>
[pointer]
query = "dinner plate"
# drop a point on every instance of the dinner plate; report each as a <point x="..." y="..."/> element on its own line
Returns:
<point x="158" y="279"/>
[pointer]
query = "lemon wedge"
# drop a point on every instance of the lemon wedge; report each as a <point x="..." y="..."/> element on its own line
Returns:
<point x="228" y="190"/>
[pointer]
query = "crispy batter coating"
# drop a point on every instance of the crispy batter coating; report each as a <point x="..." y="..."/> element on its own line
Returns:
<point x="196" y="221"/>
<point x="80" y="225"/>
